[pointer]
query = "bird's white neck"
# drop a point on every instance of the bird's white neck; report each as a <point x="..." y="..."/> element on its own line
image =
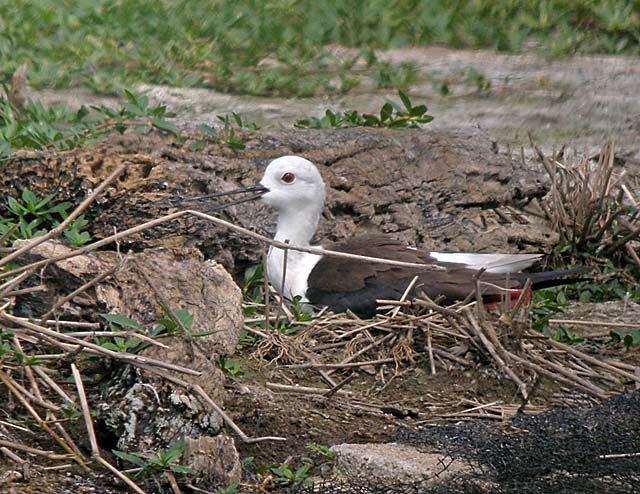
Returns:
<point x="297" y="225"/>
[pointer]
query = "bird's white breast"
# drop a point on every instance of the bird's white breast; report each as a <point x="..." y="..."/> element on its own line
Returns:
<point x="299" y="266"/>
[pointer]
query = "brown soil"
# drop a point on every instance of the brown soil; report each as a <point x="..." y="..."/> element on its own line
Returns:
<point x="372" y="413"/>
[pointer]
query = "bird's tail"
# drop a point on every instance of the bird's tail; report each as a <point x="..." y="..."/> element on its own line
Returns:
<point x="547" y="279"/>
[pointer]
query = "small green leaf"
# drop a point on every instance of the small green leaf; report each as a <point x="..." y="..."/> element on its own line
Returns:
<point x="236" y="146"/>
<point x="45" y="201"/>
<point x="122" y="321"/>
<point x="182" y="469"/>
<point x="165" y="125"/>
<point x="405" y="101"/>
<point x="30" y="199"/>
<point x="15" y="207"/>
<point x="385" y="112"/>
<point x="198" y="145"/>
<point x="131" y="97"/>
<point x="418" y="111"/>
<point x="131" y="458"/>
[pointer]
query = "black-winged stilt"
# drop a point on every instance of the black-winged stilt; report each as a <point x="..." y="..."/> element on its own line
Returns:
<point x="294" y="187"/>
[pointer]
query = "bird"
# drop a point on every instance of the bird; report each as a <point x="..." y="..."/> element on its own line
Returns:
<point x="294" y="187"/>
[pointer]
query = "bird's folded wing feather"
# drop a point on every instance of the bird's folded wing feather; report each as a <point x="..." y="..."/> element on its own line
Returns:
<point x="492" y="263"/>
<point x="334" y="275"/>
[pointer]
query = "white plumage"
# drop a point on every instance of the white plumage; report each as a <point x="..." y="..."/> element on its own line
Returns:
<point x="492" y="263"/>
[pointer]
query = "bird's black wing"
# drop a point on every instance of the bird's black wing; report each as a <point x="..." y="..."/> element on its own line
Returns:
<point x="342" y="283"/>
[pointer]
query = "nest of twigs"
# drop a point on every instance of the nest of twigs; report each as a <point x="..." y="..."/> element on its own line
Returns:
<point x="464" y="335"/>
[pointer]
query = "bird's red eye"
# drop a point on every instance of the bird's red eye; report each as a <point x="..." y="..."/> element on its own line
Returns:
<point x="288" y="178"/>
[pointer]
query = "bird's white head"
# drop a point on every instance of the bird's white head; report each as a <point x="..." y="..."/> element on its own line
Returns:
<point x="293" y="183"/>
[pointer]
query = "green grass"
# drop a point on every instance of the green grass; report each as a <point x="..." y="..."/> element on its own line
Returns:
<point x="37" y="127"/>
<point x="277" y="47"/>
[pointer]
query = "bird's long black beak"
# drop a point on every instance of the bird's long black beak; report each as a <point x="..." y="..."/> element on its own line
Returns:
<point x="258" y="189"/>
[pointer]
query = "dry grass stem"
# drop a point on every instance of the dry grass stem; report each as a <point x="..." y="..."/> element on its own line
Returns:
<point x="57" y="338"/>
<point x="5" y="288"/>
<point x="35" y="451"/>
<point x="12" y="386"/>
<point x="444" y="334"/>
<point x="188" y="212"/>
<point x="24" y="464"/>
<point x="475" y="327"/>
<point x="88" y="421"/>
<point x="304" y="389"/>
<point x="591" y="203"/>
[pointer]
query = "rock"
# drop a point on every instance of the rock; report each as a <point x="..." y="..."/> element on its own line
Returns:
<point x="141" y="411"/>
<point x="215" y="455"/>
<point x="394" y="463"/>
<point x="181" y="276"/>
<point x="616" y="311"/>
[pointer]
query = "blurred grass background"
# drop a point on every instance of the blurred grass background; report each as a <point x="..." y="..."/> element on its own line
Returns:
<point x="280" y="47"/>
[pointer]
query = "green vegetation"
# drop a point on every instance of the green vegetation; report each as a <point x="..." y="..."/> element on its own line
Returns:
<point x="628" y="336"/>
<point x="172" y="326"/>
<point x="597" y="226"/>
<point x="119" y="323"/>
<point x="154" y="462"/>
<point x="392" y="115"/>
<point x="37" y="127"/>
<point x="284" y="475"/>
<point x="544" y="304"/>
<point x="322" y="452"/>
<point x="230" y="489"/>
<point x="253" y="294"/>
<point x="293" y="473"/>
<point x="279" y="47"/>
<point x="226" y="137"/>
<point x="232" y="369"/>
<point x="167" y="326"/>
<point x="33" y="216"/>
<point x="9" y="352"/>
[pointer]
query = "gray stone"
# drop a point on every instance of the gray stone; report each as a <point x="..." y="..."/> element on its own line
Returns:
<point x="393" y="462"/>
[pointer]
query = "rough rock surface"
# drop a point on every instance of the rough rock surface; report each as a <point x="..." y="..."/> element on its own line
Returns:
<point x="393" y="462"/>
<point x="448" y="189"/>
<point x="141" y="411"/>
<point x="182" y="277"/>
<point x="615" y="311"/>
<point x="216" y="455"/>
